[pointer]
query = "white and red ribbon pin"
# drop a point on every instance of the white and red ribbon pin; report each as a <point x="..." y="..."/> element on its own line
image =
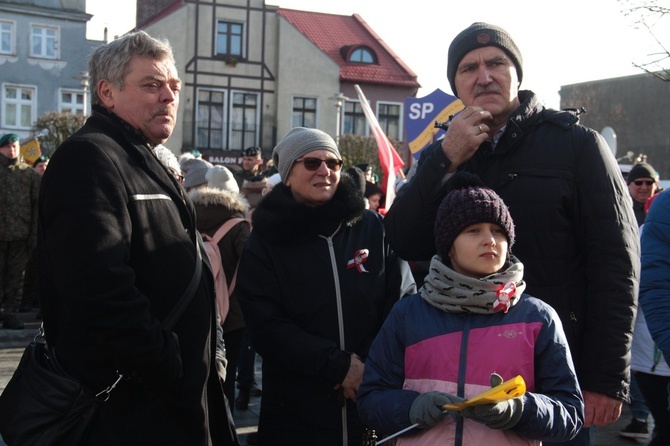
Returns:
<point x="360" y="257"/>
<point x="505" y="295"/>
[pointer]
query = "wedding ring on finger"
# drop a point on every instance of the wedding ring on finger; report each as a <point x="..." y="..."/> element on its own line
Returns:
<point x="481" y="130"/>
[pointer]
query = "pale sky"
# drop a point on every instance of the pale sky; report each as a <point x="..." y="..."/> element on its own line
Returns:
<point x="578" y="41"/>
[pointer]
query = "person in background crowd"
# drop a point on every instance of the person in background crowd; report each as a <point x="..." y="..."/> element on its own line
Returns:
<point x="315" y="282"/>
<point x="19" y="191"/>
<point x="374" y="195"/>
<point x="246" y="375"/>
<point x="655" y="309"/>
<point x="40" y="164"/>
<point x="252" y="161"/>
<point x="642" y="184"/>
<point x="367" y="170"/>
<point x="30" y="281"/>
<point x="272" y="181"/>
<point x="170" y="161"/>
<point x="253" y="185"/>
<point x="185" y="156"/>
<point x="358" y="177"/>
<point x="442" y="345"/>
<point x="215" y="204"/>
<point x="195" y="171"/>
<point x="577" y="234"/>
<point x="118" y="247"/>
<point x="271" y="169"/>
<point x="253" y="188"/>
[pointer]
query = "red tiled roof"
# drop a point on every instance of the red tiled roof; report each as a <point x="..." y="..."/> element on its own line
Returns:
<point x="331" y="32"/>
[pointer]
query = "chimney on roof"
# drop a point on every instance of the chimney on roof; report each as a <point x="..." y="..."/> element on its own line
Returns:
<point x="147" y="9"/>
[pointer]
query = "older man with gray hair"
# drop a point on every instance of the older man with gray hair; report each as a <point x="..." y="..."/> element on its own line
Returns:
<point x="118" y="248"/>
<point x="577" y="235"/>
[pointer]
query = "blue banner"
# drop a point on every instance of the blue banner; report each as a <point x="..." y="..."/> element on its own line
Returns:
<point x="422" y="114"/>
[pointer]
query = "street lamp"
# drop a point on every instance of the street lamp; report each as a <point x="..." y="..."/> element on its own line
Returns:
<point x="339" y="99"/>
<point x="84" y="77"/>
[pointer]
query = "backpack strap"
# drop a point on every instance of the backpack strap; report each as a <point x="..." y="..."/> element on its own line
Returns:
<point x="218" y="235"/>
<point x="227" y="226"/>
<point x="223" y="291"/>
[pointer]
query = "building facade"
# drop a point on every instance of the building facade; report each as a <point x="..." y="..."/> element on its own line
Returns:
<point x="43" y="60"/>
<point x="635" y="107"/>
<point x="253" y="71"/>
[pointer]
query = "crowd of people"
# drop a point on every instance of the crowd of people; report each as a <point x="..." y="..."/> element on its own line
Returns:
<point x="19" y="190"/>
<point x="528" y="229"/>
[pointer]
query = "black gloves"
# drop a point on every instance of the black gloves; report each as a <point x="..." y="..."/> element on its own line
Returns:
<point x="502" y="415"/>
<point x="427" y="409"/>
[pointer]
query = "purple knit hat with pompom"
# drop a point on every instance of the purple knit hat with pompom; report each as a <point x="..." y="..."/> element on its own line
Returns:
<point x="468" y="202"/>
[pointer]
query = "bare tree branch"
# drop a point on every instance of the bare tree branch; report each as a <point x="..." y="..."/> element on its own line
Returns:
<point x="651" y="15"/>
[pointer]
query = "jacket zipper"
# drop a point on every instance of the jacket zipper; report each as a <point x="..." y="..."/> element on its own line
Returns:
<point x="340" y="322"/>
<point x="462" y="370"/>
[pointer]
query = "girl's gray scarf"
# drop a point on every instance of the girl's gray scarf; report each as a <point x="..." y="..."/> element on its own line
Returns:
<point x="455" y="293"/>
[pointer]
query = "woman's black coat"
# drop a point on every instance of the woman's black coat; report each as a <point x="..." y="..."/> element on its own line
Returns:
<point x="295" y="269"/>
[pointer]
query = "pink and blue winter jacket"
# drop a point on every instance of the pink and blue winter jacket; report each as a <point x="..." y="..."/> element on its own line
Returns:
<point x="421" y="348"/>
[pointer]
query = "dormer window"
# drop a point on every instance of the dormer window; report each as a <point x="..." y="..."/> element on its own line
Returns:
<point x="362" y="54"/>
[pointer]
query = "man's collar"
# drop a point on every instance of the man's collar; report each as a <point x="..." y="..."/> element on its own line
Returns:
<point x="135" y="133"/>
<point x="497" y="135"/>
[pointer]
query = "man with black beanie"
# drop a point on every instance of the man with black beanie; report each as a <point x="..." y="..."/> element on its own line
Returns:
<point x="642" y="183"/>
<point x="576" y="232"/>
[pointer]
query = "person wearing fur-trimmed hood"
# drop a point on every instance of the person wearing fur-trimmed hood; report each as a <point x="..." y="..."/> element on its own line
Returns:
<point x="329" y="278"/>
<point x="216" y="203"/>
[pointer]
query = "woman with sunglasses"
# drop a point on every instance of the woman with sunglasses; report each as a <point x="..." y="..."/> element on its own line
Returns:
<point x="316" y="280"/>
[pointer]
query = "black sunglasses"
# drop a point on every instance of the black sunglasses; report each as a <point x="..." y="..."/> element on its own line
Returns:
<point x="641" y="182"/>
<point x="313" y="164"/>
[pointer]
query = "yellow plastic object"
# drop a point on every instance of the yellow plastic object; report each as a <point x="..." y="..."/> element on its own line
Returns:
<point x="509" y="389"/>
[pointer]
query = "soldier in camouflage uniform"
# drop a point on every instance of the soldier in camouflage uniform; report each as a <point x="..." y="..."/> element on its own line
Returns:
<point x="251" y="166"/>
<point x="19" y="189"/>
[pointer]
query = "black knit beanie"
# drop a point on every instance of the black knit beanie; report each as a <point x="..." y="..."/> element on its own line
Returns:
<point x="641" y="170"/>
<point x="358" y="176"/>
<point x="479" y="35"/>
<point x="468" y="202"/>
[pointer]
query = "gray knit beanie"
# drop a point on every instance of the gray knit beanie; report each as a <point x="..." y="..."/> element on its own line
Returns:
<point x="468" y="202"/>
<point x="296" y="144"/>
<point x="219" y="177"/>
<point x="479" y="35"/>
<point x="195" y="171"/>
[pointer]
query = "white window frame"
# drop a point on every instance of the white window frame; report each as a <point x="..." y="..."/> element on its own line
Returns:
<point x="366" y="130"/>
<point x="72" y="107"/>
<point x="44" y="44"/>
<point x="400" y="120"/>
<point x="257" y="119"/>
<point x="224" y="123"/>
<point x="18" y="102"/>
<point x="12" y="37"/>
